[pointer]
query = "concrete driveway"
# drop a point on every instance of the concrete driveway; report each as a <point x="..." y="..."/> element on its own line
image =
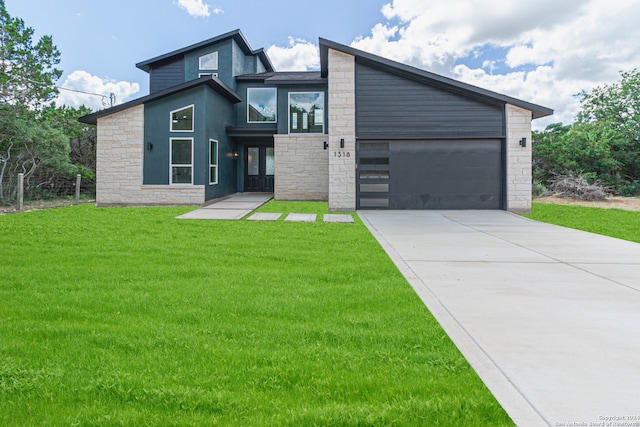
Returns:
<point x="549" y="317"/>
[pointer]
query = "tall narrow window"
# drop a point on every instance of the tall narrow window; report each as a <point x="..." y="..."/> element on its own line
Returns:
<point x="213" y="161"/>
<point x="181" y="162"/>
<point x="262" y="105"/>
<point x="182" y="119"/>
<point x="306" y="112"/>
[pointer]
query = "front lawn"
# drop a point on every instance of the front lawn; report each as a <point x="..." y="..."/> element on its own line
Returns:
<point x="130" y="317"/>
<point x="609" y="222"/>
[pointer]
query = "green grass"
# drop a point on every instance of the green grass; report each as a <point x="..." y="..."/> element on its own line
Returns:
<point x="131" y="317"/>
<point x="609" y="222"/>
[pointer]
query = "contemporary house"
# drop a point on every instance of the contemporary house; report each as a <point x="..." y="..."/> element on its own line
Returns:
<point x="364" y="132"/>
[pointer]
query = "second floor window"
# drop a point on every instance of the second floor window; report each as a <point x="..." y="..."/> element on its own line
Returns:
<point x="208" y="61"/>
<point x="262" y="105"/>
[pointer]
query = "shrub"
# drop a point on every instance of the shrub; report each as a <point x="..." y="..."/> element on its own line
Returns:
<point x="538" y="189"/>
<point x="629" y="189"/>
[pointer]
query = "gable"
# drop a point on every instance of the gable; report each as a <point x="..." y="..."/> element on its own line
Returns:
<point x="389" y="105"/>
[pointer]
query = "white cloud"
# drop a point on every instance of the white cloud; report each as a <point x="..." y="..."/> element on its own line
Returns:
<point x="92" y="91"/>
<point x="554" y="49"/>
<point x="197" y="8"/>
<point x="299" y="55"/>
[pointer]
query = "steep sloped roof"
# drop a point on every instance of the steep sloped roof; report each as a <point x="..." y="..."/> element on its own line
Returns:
<point x="211" y="81"/>
<point x="235" y="35"/>
<point x="425" y="76"/>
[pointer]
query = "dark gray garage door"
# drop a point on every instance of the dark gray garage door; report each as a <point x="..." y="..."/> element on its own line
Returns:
<point x="443" y="174"/>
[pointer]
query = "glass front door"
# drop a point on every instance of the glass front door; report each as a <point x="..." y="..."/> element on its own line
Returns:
<point x="259" y="169"/>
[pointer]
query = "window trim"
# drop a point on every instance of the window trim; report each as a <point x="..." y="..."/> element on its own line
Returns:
<point x="289" y="110"/>
<point x="212" y="165"/>
<point x="275" y="89"/>
<point x="172" y="165"/>
<point x="200" y="64"/>
<point x="193" y="114"/>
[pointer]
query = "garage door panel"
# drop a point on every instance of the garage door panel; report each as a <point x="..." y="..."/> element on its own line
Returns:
<point x="449" y="174"/>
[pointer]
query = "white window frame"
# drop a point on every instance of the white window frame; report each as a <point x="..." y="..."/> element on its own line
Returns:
<point x="200" y="61"/>
<point x="213" y="165"/>
<point x="207" y="74"/>
<point x="275" y="119"/>
<point x="171" y="164"/>
<point x="305" y="117"/>
<point x="193" y="116"/>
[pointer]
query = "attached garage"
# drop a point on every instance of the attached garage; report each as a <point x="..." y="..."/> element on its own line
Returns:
<point x="426" y="142"/>
<point x="430" y="174"/>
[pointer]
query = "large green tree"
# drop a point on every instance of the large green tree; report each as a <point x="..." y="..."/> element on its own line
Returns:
<point x="603" y="144"/>
<point x="35" y="135"/>
<point x="616" y="107"/>
<point x="28" y="72"/>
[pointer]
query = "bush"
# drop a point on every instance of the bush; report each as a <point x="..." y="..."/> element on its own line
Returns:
<point x="538" y="189"/>
<point x="629" y="189"/>
<point x="577" y="187"/>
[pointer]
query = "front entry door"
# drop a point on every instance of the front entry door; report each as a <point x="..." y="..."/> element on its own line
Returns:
<point x="259" y="169"/>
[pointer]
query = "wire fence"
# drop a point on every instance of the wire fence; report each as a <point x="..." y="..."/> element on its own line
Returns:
<point x="36" y="189"/>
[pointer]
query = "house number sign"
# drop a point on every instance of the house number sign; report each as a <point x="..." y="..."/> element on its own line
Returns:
<point x="342" y="153"/>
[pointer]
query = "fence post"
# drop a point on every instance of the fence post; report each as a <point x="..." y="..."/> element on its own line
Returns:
<point x="78" y="182"/>
<point x="20" y="191"/>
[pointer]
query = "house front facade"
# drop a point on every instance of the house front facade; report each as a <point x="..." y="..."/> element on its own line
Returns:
<point x="364" y="132"/>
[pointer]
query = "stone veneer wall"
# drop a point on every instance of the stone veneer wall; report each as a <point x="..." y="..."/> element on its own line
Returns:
<point x="302" y="167"/>
<point x="342" y="125"/>
<point x="119" y="160"/>
<point x="519" y="173"/>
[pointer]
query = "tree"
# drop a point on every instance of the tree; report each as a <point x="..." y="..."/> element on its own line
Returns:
<point x="29" y="147"/>
<point x="616" y="107"/>
<point x="27" y="71"/>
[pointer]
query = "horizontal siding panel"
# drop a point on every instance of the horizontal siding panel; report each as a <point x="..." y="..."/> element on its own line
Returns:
<point x="391" y="106"/>
<point x="166" y="75"/>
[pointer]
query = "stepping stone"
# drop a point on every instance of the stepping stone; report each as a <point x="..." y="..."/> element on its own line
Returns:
<point x="296" y="217"/>
<point x="264" y="216"/>
<point x="337" y="218"/>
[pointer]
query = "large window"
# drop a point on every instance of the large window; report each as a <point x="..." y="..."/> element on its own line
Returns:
<point x="306" y="112"/>
<point x="181" y="162"/>
<point x="262" y="105"/>
<point x="208" y="61"/>
<point x="182" y="119"/>
<point x="213" y="161"/>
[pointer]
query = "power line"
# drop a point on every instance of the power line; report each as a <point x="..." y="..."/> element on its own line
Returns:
<point x="107" y="100"/>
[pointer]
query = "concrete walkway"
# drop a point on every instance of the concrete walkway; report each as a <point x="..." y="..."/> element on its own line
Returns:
<point x="234" y="207"/>
<point x="549" y="317"/>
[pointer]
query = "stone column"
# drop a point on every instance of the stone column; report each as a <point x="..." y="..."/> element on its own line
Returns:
<point x="342" y="126"/>
<point x="519" y="174"/>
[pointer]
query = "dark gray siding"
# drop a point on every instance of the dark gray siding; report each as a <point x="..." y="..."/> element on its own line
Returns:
<point x="392" y="106"/>
<point x="166" y="75"/>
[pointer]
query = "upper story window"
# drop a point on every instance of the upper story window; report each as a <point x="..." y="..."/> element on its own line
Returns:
<point x="208" y="61"/>
<point x="262" y="105"/>
<point x="182" y="120"/>
<point x="306" y="112"/>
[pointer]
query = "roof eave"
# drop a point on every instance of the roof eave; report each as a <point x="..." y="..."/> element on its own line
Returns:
<point x="211" y="81"/>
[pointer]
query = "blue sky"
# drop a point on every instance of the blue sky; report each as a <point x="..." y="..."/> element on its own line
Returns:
<point x="543" y="52"/>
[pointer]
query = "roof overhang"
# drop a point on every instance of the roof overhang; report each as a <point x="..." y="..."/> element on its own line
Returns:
<point x="234" y="35"/>
<point x="210" y="81"/>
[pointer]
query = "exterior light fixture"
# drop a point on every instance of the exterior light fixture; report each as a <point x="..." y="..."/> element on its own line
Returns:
<point x="235" y="155"/>
<point x="325" y="145"/>
<point x="149" y="146"/>
<point x="523" y="142"/>
<point x="341" y="142"/>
